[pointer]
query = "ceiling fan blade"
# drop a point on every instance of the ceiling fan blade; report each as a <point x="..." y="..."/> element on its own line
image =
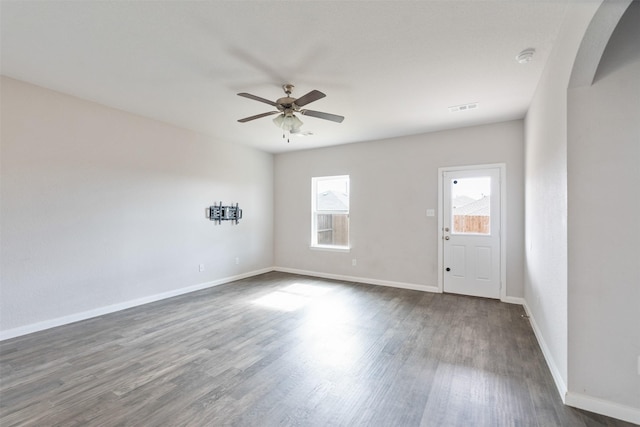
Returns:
<point x="314" y="95"/>
<point x="257" y="116"/>
<point x="321" y="115"/>
<point x="257" y="98"/>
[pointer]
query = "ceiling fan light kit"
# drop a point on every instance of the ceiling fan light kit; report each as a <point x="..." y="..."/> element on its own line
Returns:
<point x="289" y="123"/>
<point x="286" y="108"/>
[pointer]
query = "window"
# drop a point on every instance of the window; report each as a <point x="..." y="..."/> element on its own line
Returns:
<point x="471" y="205"/>
<point x="330" y="212"/>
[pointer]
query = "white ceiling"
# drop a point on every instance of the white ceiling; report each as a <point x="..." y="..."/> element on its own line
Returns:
<point x="390" y="67"/>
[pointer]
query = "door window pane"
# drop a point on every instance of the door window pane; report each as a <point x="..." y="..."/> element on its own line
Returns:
<point x="471" y="205"/>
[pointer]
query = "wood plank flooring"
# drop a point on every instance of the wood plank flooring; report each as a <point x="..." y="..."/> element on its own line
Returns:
<point x="286" y="350"/>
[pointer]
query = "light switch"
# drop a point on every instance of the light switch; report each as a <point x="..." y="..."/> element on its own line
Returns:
<point x="431" y="212"/>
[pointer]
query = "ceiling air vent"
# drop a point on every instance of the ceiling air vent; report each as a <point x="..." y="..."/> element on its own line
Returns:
<point x="463" y="107"/>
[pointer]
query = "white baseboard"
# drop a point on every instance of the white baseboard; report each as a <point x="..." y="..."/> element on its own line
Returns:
<point x="577" y="400"/>
<point x="76" y="317"/>
<point x="402" y="285"/>
<point x="513" y="300"/>
<point x="603" y="407"/>
<point x="555" y="372"/>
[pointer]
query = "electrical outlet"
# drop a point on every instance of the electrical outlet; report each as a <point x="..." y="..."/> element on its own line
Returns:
<point x="354" y="262"/>
<point x="201" y="267"/>
<point x="237" y="261"/>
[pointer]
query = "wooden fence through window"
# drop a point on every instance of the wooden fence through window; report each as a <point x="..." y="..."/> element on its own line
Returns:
<point x="471" y="224"/>
<point x="333" y="229"/>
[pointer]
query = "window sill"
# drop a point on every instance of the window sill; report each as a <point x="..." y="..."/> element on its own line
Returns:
<point x="344" y="249"/>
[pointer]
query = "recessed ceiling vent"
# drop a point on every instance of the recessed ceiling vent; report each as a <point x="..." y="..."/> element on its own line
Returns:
<point x="463" y="107"/>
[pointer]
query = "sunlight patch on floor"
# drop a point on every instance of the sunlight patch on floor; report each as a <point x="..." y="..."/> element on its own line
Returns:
<point x="292" y="297"/>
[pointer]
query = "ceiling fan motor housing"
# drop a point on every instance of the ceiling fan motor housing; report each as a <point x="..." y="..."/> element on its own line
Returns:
<point x="287" y="105"/>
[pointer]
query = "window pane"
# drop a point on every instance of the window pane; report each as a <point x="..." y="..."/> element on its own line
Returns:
<point x="471" y="205"/>
<point x="333" y="229"/>
<point x="330" y="211"/>
<point x="333" y="194"/>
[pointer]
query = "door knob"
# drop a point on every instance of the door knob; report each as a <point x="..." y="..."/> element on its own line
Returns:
<point x="446" y="237"/>
<point x="448" y="269"/>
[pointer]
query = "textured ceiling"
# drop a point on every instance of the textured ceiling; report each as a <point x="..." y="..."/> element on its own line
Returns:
<point x="391" y="68"/>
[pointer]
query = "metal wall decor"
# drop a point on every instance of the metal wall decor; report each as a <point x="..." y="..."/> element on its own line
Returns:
<point x="221" y="213"/>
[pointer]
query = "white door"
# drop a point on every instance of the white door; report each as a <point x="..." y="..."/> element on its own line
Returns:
<point x="471" y="232"/>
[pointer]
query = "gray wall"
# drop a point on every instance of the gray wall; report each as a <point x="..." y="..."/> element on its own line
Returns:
<point x="546" y="196"/>
<point x="102" y="209"/>
<point x="581" y="273"/>
<point x="393" y="183"/>
<point x="603" y="223"/>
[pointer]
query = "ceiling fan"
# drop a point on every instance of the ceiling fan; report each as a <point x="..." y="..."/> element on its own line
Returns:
<point x="288" y="106"/>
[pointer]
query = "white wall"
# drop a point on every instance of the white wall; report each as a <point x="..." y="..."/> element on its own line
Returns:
<point x="581" y="150"/>
<point x="101" y="208"/>
<point x="604" y="231"/>
<point x="546" y="195"/>
<point x="393" y="183"/>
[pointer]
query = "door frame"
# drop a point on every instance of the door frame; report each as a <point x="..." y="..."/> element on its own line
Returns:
<point x="502" y="167"/>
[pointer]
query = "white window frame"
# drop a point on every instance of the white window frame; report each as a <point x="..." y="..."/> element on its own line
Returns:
<point x="315" y="213"/>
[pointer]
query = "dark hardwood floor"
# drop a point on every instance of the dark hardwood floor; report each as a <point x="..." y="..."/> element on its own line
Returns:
<point x="280" y="349"/>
